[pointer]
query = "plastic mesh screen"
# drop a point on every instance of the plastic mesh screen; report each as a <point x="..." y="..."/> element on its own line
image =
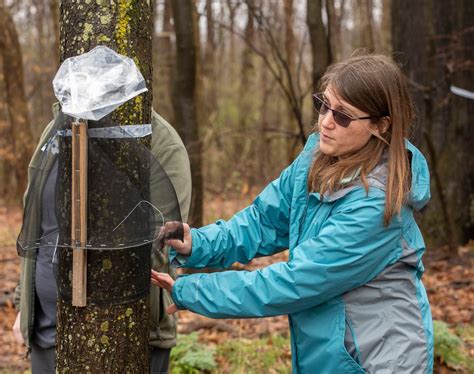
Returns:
<point x="130" y="197"/>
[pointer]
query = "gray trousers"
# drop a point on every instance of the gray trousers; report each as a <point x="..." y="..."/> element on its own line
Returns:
<point x="43" y="360"/>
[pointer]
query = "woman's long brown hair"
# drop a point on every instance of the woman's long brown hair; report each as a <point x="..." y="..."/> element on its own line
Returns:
<point x="375" y="85"/>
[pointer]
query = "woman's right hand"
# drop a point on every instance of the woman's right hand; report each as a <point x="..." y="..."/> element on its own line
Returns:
<point x="168" y="233"/>
<point x="16" y="330"/>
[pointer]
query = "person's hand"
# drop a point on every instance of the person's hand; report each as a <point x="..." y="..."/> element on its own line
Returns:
<point x="165" y="281"/>
<point x="178" y="236"/>
<point x="16" y="330"/>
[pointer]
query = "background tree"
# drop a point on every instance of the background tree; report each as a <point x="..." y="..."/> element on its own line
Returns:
<point x="185" y="96"/>
<point x="438" y="52"/>
<point x="18" y="139"/>
<point x="112" y="337"/>
<point x="320" y="46"/>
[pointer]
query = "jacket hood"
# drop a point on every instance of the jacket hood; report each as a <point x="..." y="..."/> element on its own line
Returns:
<point x="377" y="178"/>
<point x="420" y="178"/>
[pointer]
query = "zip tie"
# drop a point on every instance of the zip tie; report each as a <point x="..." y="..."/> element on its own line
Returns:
<point x="462" y="92"/>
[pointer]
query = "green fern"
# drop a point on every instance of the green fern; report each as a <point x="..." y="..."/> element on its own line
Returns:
<point x="450" y="349"/>
<point x="192" y="357"/>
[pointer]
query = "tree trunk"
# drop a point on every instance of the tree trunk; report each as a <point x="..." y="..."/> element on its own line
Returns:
<point x="241" y="141"/>
<point x="320" y="48"/>
<point x="290" y="50"/>
<point x="7" y="188"/>
<point x="185" y="96"/>
<point x="163" y="60"/>
<point x="108" y="336"/>
<point x="17" y="108"/>
<point x="210" y="38"/>
<point x="54" y="12"/>
<point x="334" y="29"/>
<point x="364" y="33"/>
<point x="386" y="37"/>
<point x="439" y="51"/>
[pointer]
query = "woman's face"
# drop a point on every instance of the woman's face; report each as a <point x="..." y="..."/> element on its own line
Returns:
<point x="338" y="141"/>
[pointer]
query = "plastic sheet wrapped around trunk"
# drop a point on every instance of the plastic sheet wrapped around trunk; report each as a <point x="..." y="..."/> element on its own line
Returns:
<point x="130" y="197"/>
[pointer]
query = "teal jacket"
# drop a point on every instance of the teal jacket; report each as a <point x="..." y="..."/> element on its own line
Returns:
<point x="351" y="287"/>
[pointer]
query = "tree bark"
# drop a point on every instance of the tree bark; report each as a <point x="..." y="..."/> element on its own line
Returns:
<point x="112" y="336"/>
<point x="163" y="60"/>
<point x="185" y="97"/>
<point x="364" y="32"/>
<point x="320" y="48"/>
<point x="437" y="53"/>
<point x="17" y="108"/>
<point x="334" y="28"/>
<point x="386" y="37"/>
<point x="54" y="11"/>
<point x="210" y="37"/>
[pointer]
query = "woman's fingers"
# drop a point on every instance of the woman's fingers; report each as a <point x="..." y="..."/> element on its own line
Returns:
<point x="165" y="281"/>
<point x="16" y="330"/>
<point x="162" y="280"/>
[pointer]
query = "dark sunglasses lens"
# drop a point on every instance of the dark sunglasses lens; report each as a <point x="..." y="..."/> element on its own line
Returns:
<point x="319" y="105"/>
<point x="341" y="119"/>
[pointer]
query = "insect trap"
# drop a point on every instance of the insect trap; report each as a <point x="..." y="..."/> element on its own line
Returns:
<point x="111" y="194"/>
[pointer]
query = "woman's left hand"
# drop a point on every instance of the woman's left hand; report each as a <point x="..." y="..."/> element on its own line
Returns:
<point x="165" y="281"/>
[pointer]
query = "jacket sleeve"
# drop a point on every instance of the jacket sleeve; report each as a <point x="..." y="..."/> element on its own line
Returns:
<point x="261" y="229"/>
<point x="352" y="247"/>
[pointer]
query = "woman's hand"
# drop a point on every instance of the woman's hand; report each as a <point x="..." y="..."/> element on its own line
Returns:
<point x="16" y="330"/>
<point x="171" y="234"/>
<point x="165" y="281"/>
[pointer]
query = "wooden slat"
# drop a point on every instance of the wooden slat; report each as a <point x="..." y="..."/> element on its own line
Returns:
<point x="79" y="214"/>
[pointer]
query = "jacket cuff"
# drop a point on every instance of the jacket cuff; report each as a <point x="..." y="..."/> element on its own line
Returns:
<point x="176" y="292"/>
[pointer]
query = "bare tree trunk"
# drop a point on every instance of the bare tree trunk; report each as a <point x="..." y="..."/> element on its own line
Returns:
<point x="17" y="108"/>
<point x="440" y="55"/>
<point x="242" y="141"/>
<point x="290" y="61"/>
<point x="232" y="7"/>
<point x="185" y="97"/>
<point x="163" y="60"/>
<point x="39" y="107"/>
<point x="210" y="37"/>
<point x="7" y="173"/>
<point x="54" y="10"/>
<point x="334" y="17"/>
<point x="320" y="48"/>
<point x="110" y="337"/>
<point x="364" y="32"/>
<point x="386" y="38"/>
<point x="264" y="143"/>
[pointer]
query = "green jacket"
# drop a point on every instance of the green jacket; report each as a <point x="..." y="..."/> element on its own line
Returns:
<point x="169" y="150"/>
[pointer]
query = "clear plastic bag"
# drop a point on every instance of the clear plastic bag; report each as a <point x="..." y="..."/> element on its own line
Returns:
<point x="94" y="84"/>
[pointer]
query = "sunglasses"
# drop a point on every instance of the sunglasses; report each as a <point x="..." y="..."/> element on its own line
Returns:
<point x="342" y="119"/>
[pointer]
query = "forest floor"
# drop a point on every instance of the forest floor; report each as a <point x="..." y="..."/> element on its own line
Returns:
<point x="449" y="285"/>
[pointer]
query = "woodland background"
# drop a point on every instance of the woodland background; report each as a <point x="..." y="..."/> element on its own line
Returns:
<point x="257" y="63"/>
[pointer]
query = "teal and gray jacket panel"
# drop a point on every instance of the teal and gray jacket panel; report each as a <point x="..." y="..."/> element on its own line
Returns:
<point x="351" y="287"/>
<point x="167" y="147"/>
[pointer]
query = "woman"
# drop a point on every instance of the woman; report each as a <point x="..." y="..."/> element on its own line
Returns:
<point x="352" y="284"/>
